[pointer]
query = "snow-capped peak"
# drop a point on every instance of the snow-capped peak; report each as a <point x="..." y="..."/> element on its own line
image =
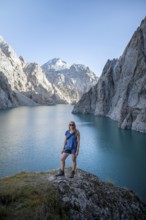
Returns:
<point x="56" y="64"/>
<point x="57" y="61"/>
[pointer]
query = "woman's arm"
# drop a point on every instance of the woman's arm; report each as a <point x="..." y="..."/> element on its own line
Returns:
<point x="65" y="139"/>
<point x="78" y="145"/>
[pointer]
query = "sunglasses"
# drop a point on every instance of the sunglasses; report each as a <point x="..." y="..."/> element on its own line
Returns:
<point x="71" y="125"/>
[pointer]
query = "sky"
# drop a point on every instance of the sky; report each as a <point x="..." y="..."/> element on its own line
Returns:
<point x="85" y="32"/>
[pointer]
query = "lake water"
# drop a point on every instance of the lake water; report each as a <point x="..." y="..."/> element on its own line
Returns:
<point x="31" y="139"/>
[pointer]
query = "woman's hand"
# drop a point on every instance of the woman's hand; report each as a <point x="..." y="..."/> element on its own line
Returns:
<point x="77" y="153"/>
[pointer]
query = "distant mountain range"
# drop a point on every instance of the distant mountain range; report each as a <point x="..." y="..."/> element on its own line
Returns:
<point x="121" y="90"/>
<point x="69" y="81"/>
<point x="23" y="83"/>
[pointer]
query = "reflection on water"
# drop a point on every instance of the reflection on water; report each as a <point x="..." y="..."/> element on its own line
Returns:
<point x="31" y="139"/>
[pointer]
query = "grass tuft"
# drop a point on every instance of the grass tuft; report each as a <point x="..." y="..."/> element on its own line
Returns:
<point x="29" y="196"/>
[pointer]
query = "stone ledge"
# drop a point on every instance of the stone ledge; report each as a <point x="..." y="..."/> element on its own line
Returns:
<point x="83" y="197"/>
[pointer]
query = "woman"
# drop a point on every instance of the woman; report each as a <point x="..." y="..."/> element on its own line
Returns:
<point x="71" y="146"/>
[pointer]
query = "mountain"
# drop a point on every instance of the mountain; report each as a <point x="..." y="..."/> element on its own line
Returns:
<point x="70" y="82"/>
<point x="55" y="64"/>
<point x="121" y="90"/>
<point x="40" y="89"/>
<point x="12" y="78"/>
<point x="23" y="83"/>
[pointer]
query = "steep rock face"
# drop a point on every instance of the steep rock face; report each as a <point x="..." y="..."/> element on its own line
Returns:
<point x="21" y="83"/>
<point x="69" y="81"/>
<point x="7" y="96"/>
<point x="10" y="66"/>
<point x="39" y="88"/>
<point x="121" y="90"/>
<point x="12" y="77"/>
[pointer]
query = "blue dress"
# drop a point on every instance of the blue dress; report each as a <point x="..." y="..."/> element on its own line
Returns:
<point x="71" y="143"/>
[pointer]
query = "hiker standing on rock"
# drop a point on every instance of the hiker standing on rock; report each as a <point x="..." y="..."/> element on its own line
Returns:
<point x="71" y="146"/>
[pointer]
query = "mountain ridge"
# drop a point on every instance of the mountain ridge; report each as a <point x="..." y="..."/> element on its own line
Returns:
<point x="72" y="81"/>
<point x="121" y="90"/>
<point x="27" y="84"/>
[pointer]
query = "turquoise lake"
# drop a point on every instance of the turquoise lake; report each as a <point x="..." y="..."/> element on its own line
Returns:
<point x="31" y="139"/>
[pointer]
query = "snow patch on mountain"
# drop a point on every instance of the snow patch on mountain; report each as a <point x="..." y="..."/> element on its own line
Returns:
<point x="69" y="81"/>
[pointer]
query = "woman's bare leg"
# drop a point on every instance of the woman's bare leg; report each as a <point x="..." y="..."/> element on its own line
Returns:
<point x="63" y="158"/>
<point x="74" y="162"/>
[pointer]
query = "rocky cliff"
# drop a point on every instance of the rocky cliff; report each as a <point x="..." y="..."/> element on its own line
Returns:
<point x="70" y="82"/>
<point x="45" y="196"/>
<point x="121" y="90"/>
<point x="40" y="89"/>
<point x="23" y="83"/>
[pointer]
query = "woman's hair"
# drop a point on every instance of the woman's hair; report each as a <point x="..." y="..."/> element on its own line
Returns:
<point x="72" y="122"/>
<point x="76" y="130"/>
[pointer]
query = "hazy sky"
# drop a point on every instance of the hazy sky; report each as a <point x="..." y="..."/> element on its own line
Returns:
<point x="78" y="31"/>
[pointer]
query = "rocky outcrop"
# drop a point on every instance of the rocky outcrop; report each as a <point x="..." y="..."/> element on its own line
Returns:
<point x="121" y="90"/>
<point x="45" y="196"/>
<point x="87" y="197"/>
<point x="70" y="82"/>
